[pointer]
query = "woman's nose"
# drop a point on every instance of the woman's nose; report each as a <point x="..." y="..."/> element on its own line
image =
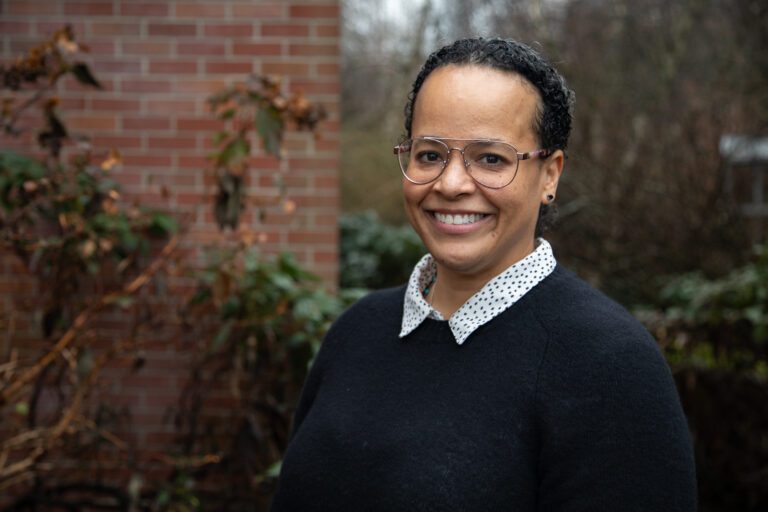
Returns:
<point x="455" y="178"/>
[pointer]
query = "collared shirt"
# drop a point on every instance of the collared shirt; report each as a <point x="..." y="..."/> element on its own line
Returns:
<point x="496" y="296"/>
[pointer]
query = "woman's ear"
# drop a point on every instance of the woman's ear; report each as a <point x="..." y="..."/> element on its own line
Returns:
<point x="551" y="170"/>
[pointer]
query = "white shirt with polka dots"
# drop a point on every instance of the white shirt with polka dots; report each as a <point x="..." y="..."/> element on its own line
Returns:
<point x="496" y="296"/>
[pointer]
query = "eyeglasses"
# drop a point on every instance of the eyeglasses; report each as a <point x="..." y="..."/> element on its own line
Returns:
<point x="490" y="163"/>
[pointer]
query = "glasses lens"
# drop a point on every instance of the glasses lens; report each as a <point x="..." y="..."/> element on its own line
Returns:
<point x="492" y="164"/>
<point x="423" y="159"/>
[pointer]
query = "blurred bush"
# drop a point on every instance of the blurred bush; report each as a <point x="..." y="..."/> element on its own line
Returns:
<point x="375" y="254"/>
<point x="715" y="335"/>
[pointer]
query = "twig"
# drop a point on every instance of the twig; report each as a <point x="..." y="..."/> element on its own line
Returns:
<point x="82" y="320"/>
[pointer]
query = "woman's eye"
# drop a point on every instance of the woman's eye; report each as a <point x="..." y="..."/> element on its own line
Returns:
<point x="490" y="159"/>
<point x="429" y="157"/>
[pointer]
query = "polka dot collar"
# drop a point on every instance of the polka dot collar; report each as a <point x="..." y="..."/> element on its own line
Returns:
<point x="496" y="296"/>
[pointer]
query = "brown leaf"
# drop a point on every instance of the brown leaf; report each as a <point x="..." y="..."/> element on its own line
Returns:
<point x="113" y="158"/>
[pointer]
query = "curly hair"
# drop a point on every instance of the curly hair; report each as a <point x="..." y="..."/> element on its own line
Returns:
<point x="553" y="116"/>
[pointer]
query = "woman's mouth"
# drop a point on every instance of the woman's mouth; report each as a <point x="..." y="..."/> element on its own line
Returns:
<point x="459" y="219"/>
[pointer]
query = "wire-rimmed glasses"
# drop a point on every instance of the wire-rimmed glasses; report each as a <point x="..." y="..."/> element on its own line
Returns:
<point x="491" y="163"/>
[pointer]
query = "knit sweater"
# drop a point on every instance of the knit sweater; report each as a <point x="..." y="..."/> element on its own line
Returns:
<point x="561" y="403"/>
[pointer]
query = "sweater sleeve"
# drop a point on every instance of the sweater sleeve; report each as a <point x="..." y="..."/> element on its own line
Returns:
<point x="612" y="432"/>
<point x="314" y="380"/>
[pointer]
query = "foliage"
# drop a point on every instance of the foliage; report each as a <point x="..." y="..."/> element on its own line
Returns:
<point x="718" y="324"/>
<point x="256" y="322"/>
<point x="256" y="106"/>
<point x="61" y="215"/>
<point x="259" y="322"/>
<point x="375" y="254"/>
<point x="715" y="335"/>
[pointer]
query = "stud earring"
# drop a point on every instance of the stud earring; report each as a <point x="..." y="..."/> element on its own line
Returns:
<point x="550" y="198"/>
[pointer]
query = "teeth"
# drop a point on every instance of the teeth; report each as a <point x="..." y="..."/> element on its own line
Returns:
<point x="459" y="219"/>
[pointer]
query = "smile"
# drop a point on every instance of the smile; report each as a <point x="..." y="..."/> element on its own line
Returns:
<point x="459" y="219"/>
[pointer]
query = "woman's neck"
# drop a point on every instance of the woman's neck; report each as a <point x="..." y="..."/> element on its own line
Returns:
<point x="452" y="289"/>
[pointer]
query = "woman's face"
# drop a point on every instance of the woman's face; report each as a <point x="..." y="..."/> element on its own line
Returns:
<point x="496" y="226"/>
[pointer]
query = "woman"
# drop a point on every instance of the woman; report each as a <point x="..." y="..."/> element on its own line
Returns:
<point x="496" y="379"/>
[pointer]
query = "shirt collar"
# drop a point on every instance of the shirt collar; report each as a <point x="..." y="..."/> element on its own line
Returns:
<point x="495" y="297"/>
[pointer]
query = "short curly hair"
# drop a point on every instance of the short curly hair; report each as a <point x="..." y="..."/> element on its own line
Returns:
<point x="554" y="112"/>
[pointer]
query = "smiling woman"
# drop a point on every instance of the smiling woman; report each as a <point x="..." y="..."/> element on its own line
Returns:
<point x="495" y="379"/>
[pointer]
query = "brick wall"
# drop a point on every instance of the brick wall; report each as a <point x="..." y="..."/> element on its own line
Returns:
<point x="159" y="61"/>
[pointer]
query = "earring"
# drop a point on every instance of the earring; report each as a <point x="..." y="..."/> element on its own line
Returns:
<point x="550" y="198"/>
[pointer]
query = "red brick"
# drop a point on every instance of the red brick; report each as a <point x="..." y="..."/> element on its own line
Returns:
<point x="196" y="86"/>
<point x="119" y="105"/>
<point x="101" y="47"/>
<point x="172" y="29"/>
<point x="193" y="198"/>
<point x="330" y="182"/>
<point x="147" y="160"/>
<point x="21" y="45"/>
<point x="229" y="67"/>
<point x="39" y="8"/>
<point x="315" y="87"/>
<point x="326" y="145"/>
<point x="172" y="142"/>
<point x="200" y="48"/>
<point x="205" y="10"/>
<point x="72" y="103"/>
<point x="12" y="28"/>
<point x="193" y="162"/>
<point x="170" y="106"/>
<point x="172" y="67"/>
<point x="330" y="50"/>
<point x="198" y="123"/>
<point x="91" y="8"/>
<point x="46" y="28"/>
<point x="144" y="85"/>
<point x="92" y="122"/>
<point x="285" y="68"/>
<point x="327" y="31"/>
<point x="104" y="65"/>
<point x="313" y="163"/>
<point x="116" y="141"/>
<point x="257" y="49"/>
<point x="310" y="237"/>
<point x="72" y="85"/>
<point x="115" y="28"/>
<point x="314" y="11"/>
<point x="146" y="123"/>
<point x="153" y="48"/>
<point x="325" y="68"/>
<point x="325" y="257"/>
<point x="259" y="11"/>
<point x="144" y="9"/>
<point x="305" y="201"/>
<point x="228" y="30"/>
<point x="285" y="30"/>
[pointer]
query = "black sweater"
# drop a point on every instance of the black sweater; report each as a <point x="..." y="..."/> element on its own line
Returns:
<point x="561" y="403"/>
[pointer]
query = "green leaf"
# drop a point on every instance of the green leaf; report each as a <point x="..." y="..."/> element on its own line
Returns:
<point x="269" y="125"/>
<point x="125" y="301"/>
<point x="223" y="335"/>
<point x="231" y="307"/>
<point x="164" y="224"/>
<point x="22" y="408"/>
<point x="236" y="149"/>
<point x="20" y="167"/>
<point x="227" y="114"/>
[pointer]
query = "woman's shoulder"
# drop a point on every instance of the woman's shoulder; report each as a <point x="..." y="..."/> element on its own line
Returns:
<point x="579" y="319"/>
<point x="384" y="305"/>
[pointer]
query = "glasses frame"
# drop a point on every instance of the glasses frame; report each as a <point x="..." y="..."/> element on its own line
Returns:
<point x="407" y="144"/>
